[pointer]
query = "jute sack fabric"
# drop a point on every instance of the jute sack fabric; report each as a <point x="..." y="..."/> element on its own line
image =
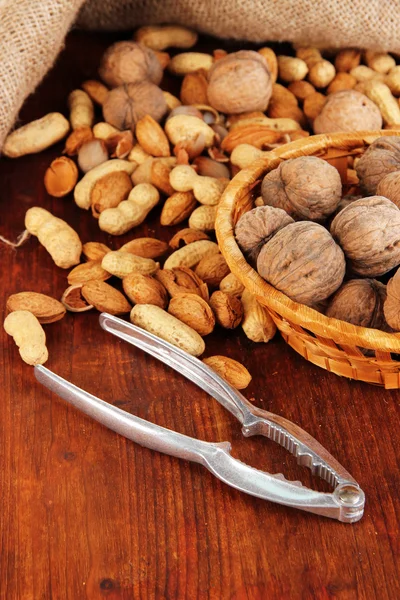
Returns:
<point x="32" y="32"/>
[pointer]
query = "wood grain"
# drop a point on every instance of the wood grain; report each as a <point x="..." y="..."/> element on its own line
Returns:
<point x="88" y="514"/>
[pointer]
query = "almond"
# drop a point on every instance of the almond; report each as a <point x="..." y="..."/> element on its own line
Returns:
<point x="212" y="269"/>
<point x="231" y="285"/>
<point x="73" y="300"/>
<point x="45" y="308"/>
<point x="109" y="191"/>
<point x="194" y="88"/>
<point x="186" y="236"/>
<point x="177" y="208"/>
<point x="228" y="309"/>
<point x="230" y="370"/>
<point x="61" y="177"/>
<point x="95" y="250"/>
<point x="255" y="135"/>
<point x="151" y="137"/>
<point x="192" y="310"/>
<point x="159" y="177"/>
<point x="144" y="289"/>
<point x="146" y="247"/>
<point x="89" y="271"/>
<point x="105" y="298"/>
<point x="181" y="280"/>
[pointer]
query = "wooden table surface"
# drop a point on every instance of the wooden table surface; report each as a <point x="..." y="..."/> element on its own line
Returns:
<point x="87" y="514"/>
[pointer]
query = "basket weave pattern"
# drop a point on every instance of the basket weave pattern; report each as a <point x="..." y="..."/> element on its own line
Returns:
<point x="355" y="352"/>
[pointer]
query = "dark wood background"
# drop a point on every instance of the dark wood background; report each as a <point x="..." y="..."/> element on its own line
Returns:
<point x="87" y="514"/>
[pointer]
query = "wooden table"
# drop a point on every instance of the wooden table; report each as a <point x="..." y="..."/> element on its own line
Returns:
<point x="88" y="514"/>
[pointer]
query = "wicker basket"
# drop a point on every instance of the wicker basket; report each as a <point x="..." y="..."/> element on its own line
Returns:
<point x="334" y="345"/>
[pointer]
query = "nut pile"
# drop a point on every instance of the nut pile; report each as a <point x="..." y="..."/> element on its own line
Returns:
<point x="315" y="246"/>
<point x="130" y="146"/>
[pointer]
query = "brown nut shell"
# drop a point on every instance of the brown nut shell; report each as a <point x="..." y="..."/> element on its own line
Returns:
<point x="348" y="110"/>
<point x="88" y="271"/>
<point x="45" y="308"/>
<point x="194" y="311"/>
<point x="359" y="302"/>
<point x="307" y="188"/>
<point x="61" y="177"/>
<point x="256" y="227"/>
<point x="228" y="309"/>
<point x="212" y="269"/>
<point x="368" y="230"/>
<point x="240" y="82"/>
<point x="146" y="247"/>
<point x="389" y="187"/>
<point x="181" y="280"/>
<point x="144" y="289"/>
<point x="109" y="191"/>
<point x="129" y="62"/>
<point x="231" y="370"/>
<point x="105" y="298"/>
<point x="125" y="105"/>
<point x="391" y="307"/>
<point x="186" y="236"/>
<point x="380" y="159"/>
<point x="303" y="261"/>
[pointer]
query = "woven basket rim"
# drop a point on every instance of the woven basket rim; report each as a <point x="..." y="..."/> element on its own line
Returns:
<point x="300" y="314"/>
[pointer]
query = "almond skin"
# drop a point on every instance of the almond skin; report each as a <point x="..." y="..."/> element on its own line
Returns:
<point x="181" y="280"/>
<point x="194" y="311"/>
<point x="95" y="250"/>
<point x="146" y="247"/>
<point x="186" y="236"/>
<point x="109" y="191"/>
<point x="151" y="137"/>
<point x="177" y="208"/>
<point x="89" y="271"/>
<point x="105" y="298"/>
<point x="45" y="308"/>
<point x="231" y="370"/>
<point x="144" y="289"/>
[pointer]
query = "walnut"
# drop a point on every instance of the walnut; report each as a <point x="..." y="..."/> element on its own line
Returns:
<point x="125" y="105"/>
<point x="389" y="187"/>
<point x="256" y="227"/>
<point x="307" y="188"/>
<point x="240" y="82"/>
<point x="391" y="307"/>
<point x="381" y="158"/>
<point x="129" y="62"/>
<point x="368" y="230"/>
<point x="360" y="302"/>
<point x="348" y="110"/>
<point x="303" y="261"/>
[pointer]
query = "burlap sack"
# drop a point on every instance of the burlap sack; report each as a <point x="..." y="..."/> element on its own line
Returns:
<point x="32" y="31"/>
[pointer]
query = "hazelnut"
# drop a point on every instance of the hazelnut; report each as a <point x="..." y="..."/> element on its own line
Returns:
<point x="129" y="62"/>
<point x="125" y="105"/>
<point x="359" y="302"/>
<point x="381" y="158"/>
<point x="240" y="82"/>
<point x="348" y="110"/>
<point x="256" y="227"/>
<point x="368" y="230"/>
<point x="303" y="261"/>
<point x="307" y="188"/>
<point x="389" y="187"/>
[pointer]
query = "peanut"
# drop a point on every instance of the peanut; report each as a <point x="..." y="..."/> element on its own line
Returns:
<point x="194" y="311"/>
<point x="59" y="239"/>
<point x="189" y="62"/>
<point x="284" y="104"/>
<point x="29" y="336"/>
<point x="244" y="155"/>
<point x="347" y="59"/>
<point x="257" y="323"/>
<point x="137" y="155"/>
<point x="272" y="62"/>
<point x="96" y="90"/>
<point x="321" y="71"/>
<point x="130" y="212"/>
<point x="381" y="95"/>
<point x="301" y="89"/>
<point x="342" y="81"/>
<point x="84" y="188"/>
<point x="144" y="289"/>
<point x="206" y="190"/>
<point x="157" y="321"/>
<point x="103" y="130"/>
<point x="61" y="177"/>
<point x="231" y="370"/>
<point x="81" y="109"/>
<point x="381" y="62"/>
<point x="363" y="73"/>
<point x="122" y="264"/>
<point x="392" y="80"/>
<point x="36" y="135"/>
<point x="171" y="100"/>
<point x="203" y="218"/>
<point x="191" y="255"/>
<point x="291" y="69"/>
<point x="177" y="208"/>
<point x="187" y="129"/>
<point x="160" y="37"/>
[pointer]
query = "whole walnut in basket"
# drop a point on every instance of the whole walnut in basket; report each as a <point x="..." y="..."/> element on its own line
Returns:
<point x="256" y="227"/>
<point x="389" y="187"/>
<point x="303" y="261"/>
<point x="391" y="308"/>
<point x="125" y="105"/>
<point x="129" y="62"/>
<point x="307" y="188"/>
<point x="360" y="302"/>
<point x="381" y="158"/>
<point x="240" y="82"/>
<point x="368" y="230"/>
<point x="348" y="110"/>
